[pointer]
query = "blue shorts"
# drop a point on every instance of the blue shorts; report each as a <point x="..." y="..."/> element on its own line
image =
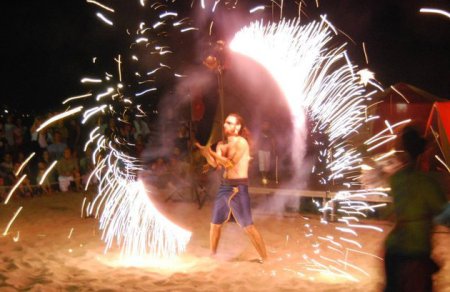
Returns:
<point x="232" y="201"/>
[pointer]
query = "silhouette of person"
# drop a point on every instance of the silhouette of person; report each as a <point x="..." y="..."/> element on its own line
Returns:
<point x="417" y="198"/>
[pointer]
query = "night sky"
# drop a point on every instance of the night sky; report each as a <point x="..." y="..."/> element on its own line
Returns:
<point x="47" y="45"/>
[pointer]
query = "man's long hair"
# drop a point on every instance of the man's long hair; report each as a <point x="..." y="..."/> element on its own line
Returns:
<point x="243" y="132"/>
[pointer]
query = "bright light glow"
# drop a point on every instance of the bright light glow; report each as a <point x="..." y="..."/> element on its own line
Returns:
<point x="166" y="14"/>
<point x="443" y="163"/>
<point x="365" y="53"/>
<point x="70" y="233"/>
<point x="399" y="93"/>
<point x="436" y="11"/>
<point x="91" y="80"/>
<point x="47" y="171"/>
<point x="105" y="20"/>
<point x="313" y="78"/>
<point x="59" y="117"/>
<point x="13" y="189"/>
<point x="24" y="163"/>
<point x="11" y="221"/>
<point x="257" y="8"/>
<point x="144" y="92"/>
<point x="130" y="219"/>
<point x="76" y="97"/>
<point x="100" y="5"/>
<point x="366" y="75"/>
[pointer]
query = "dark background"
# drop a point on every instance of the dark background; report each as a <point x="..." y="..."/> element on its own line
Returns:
<point x="48" y="45"/>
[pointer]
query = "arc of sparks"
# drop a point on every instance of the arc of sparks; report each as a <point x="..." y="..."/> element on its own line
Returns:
<point x="319" y="81"/>
<point x="12" y="220"/>
<point x="313" y="79"/>
<point x="435" y="11"/>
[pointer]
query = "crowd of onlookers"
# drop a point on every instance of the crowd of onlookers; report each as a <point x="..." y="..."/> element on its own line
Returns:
<point x="64" y="141"/>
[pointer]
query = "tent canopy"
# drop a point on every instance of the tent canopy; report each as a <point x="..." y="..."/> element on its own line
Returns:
<point x="401" y="102"/>
<point x="439" y="124"/>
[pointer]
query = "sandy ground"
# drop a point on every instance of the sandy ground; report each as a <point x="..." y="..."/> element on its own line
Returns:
<point x="49" y="247"/>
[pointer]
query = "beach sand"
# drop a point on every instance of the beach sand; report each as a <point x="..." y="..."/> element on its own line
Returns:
<point x="49" y="247"/>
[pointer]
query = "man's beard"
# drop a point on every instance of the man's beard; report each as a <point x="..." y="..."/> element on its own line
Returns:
<point x="229" y="133"/>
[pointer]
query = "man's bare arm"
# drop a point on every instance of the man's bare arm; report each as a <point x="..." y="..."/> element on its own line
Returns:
<point x="206" y="152"/>
<point x="236" y="154"/>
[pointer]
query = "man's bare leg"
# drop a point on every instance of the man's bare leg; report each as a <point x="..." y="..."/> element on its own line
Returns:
<point x="257" y="241"/>
<point x="214" y="236"/>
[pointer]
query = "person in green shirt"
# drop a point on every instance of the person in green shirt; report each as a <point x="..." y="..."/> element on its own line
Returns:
<point x="417" y="199"/>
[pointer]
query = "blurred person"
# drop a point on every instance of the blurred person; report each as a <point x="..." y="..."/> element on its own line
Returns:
<point x="111" y="128"/>
<point x="142" y="128"/>
<point x="68" y="171"/>
<point x="56" y="149"/>
<point x="44" y="138"/>
<point x="19" y="136"/>
<point x="7" y="169"/>
<point x="35" y="135"/>
<point x="266" y="150"/>
<point x="139" y="145"/>
<point x="417" y="198"/>
<point x="9" y="128"/>
<point x="101" y="123"/>
<point x="45" y="186"/>
<point x="87" y="167"/>
<point x="179" y="169"/>
<point x="232" y="199"/>
<point x="127" y="132"/>
<point x="160" y="173"/>
<point x="74" y="133"/>
<point x="60" y="127"/>
<point x="182" y="141"/>
<point x="52" y="175"/>
<point x="2" y="189"/>
<point x="20" y="158"/>
<point x="4" y="146"/>
<point x="24" y="188"/>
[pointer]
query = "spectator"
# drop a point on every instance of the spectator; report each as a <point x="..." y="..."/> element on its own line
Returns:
<point x="45" y="186"/>
<point x="182" y="141"/>
<point x="102" y="125"/>
<point x="6" y="169"/>
<point x="178" y="168"/>
<point x="56" y="149"/>
<point x="139" y="145"/>
<point x="266" y="151"/>
<point x="87" y="167"/>
<point x="141" y="129"/>
<point x="43" y="139"/>
<point x="68" y="171"/>
<point x="160" y="173"/>
<point x="51" y="176"/>
<point x="35" y="135"/>
<point x="19" y="136"/>
<point x="112" y="128"/>
<point x="24" y="187"/>
<point x="62" y="129"/>
<point x="74" y="133"/>
<point x="9" y="129"/>
<point x="4" y="146"/>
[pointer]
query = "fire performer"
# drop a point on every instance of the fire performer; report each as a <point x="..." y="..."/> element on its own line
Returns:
<point x="232" y="200"/>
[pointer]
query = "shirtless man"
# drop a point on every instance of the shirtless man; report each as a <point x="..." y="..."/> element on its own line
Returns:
<point x="232" y="198"/>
